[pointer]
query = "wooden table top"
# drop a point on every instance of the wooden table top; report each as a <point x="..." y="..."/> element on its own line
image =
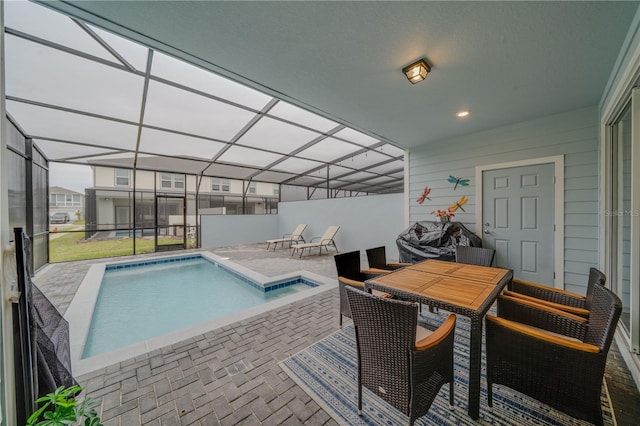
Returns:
<point x="465" y="286"/>
<point x="461" y="270"/>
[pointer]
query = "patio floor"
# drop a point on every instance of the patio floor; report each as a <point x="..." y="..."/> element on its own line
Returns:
<point x="231" y="376"/>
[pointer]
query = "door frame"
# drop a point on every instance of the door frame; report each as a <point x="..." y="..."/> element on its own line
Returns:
<point x="558" y="216"/>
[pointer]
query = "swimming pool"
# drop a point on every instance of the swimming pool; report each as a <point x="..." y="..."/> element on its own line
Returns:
<point x="125" y="309"/>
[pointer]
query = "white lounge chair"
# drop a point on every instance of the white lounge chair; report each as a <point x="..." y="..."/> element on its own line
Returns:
<point x="295" y="236"/>
<point x="325" y="241"/>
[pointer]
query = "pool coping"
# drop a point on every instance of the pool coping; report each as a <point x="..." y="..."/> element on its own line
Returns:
<point x="80" y="310"/>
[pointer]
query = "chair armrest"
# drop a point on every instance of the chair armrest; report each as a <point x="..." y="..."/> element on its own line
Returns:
<point x="571" y="309"/>
<point x="398" y="264"/>
<point x="544" y="336"/>
<point x="352" y="283"/>
<point x="374" y="272"/>
<point x="548" y="293"/>
<point x="541" y="316"/>
<point x="435" y="338"/>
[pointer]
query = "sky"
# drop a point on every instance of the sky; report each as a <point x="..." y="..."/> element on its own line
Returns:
<point x="70" y="176"/>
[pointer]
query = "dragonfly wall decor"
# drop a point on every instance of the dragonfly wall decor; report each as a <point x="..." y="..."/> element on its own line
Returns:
<point x="458" y="181"/>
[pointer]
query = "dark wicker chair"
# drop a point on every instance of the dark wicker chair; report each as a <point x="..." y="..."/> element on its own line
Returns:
<point x="559" y="299"/>
<point x="377" y="258"/>
<point x="564" y="370"/>
<point x="404" y="371"/>
<point x="474" y="255"/>
<point x="350" y="274"/>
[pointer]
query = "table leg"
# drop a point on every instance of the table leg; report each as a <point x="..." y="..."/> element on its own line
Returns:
<point x="475" y="357"/>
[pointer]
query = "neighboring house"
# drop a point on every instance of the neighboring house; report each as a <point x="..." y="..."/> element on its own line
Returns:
<point x="62" y="200"/>
<point x="109" y="204"/>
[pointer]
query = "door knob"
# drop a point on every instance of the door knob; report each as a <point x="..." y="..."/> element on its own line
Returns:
<point x="487" y="224"/>
<point x="486" y="231"/>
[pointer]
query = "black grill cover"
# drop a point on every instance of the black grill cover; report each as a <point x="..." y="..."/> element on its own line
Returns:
<point x="434" y="240"/>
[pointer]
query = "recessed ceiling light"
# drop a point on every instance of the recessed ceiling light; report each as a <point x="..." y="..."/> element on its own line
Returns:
<point x="463" y="113"/>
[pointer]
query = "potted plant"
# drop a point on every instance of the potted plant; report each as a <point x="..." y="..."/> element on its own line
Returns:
<point x="60" y="408"/>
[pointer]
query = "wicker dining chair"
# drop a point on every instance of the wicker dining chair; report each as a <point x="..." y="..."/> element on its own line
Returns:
<point x="377" y="258"/>
<point x="555" y="298"/>
<point x="552" y="357"/>
<point x="350" y="274"/>
<point x="394" y="361"/>
<point x="474" y="255"/>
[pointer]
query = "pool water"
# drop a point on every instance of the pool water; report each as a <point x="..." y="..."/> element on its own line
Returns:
<point x="138" y="303"/>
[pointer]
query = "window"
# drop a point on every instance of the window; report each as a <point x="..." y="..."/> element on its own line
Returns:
<point x="169" y="180"/>
<point x="122" y="177"/>
<point x="220" y="185"/>
<point x="165" y="180"/>
<point x="621" y="212"/>
<point x="252" y="188"/>
<point x="276" y="189"/>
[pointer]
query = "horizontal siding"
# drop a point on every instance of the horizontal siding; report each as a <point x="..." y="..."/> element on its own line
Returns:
<point x="573" y="134"/>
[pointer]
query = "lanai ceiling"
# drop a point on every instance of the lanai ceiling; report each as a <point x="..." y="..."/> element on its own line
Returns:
<point x="323" y="94"/>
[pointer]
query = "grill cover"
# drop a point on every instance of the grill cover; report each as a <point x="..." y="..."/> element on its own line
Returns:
<point x="434" y="240"/>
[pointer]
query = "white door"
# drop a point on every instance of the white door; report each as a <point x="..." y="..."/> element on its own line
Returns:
<point x="518" y="220"/>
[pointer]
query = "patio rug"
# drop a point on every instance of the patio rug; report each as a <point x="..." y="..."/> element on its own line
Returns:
<point x="327" y="371"/>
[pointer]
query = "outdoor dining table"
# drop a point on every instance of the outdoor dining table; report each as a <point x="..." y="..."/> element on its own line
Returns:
<point x="468" y="290"/>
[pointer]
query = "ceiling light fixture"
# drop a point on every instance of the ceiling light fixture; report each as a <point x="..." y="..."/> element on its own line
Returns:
<point x="417" y="71"/>
<point x="463" y="113"/>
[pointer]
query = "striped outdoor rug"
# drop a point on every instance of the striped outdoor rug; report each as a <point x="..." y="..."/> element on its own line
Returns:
<point x="327" y="371"/>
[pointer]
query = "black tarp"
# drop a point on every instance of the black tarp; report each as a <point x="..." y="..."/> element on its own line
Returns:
<point x="434" y="240"/>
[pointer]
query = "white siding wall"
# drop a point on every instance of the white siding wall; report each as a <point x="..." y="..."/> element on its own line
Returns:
<point x="573" y="134"/>
<point x="365" y="222"/>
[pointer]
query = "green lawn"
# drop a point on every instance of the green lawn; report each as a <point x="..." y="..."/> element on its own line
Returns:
<point x="71" y="246"/>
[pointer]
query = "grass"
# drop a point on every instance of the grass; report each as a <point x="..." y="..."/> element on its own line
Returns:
<point x="70" y="246"/>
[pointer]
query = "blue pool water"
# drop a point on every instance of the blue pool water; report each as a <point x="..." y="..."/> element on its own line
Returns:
<point x="140" y="301"/>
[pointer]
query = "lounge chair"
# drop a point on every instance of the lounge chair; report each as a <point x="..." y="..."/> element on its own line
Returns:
<point x="325" y="241"/>
<point x="295" y="236"/>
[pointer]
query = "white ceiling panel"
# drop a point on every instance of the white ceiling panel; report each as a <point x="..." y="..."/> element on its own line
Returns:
<point x="272" y="176"/>
<point x="276" y="136"/>
<point x="296" y="165"/>
<point x="52" y="26"/>
<point x="134" y="53"/>
<point x="54" y="124"/>
<point x="61" y="151"/>
<point x="172" y="108"/>
<point x="333" y="172"/>
<point x="191" y="76"/>
<point x="357" y="137"/>
<point x="228" y="171"/>
<point x="298" y="115"/>
<point x="190" y="114"/>
<point x="392" y="150"/>
<point x="113" y="160"/>
<point x="54" y="77"/>
<point x="384" y="169"/>
<point x="356" y="177"/>
<point x="364" y="160"/>
<point x="328" y="150"/>
<point x="167" y="143"/>
<point x="248" y="156"/>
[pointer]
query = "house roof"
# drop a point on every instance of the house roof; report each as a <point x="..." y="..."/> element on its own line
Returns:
<point x="60" y="190"/>
<point x="322" y="81"/>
